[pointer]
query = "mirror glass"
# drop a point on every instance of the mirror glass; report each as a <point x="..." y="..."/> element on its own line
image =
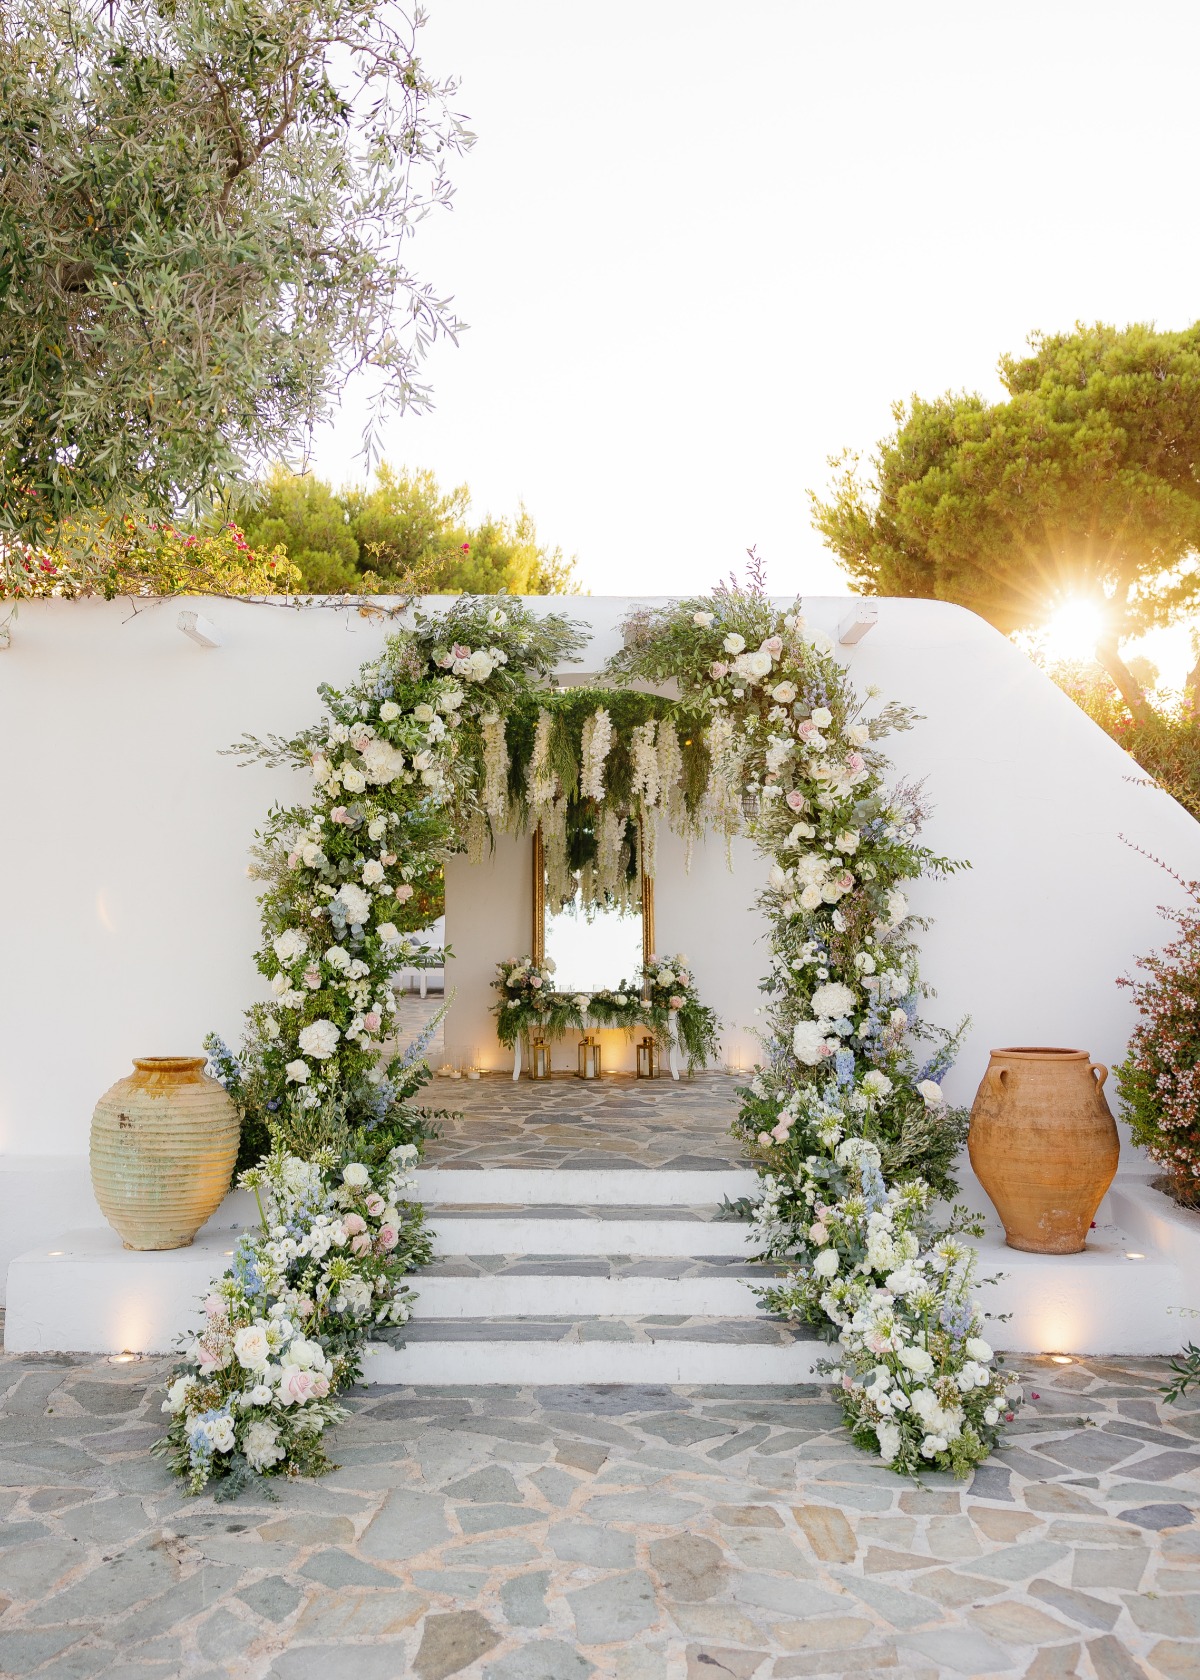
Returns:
<point x="593" y="953"/>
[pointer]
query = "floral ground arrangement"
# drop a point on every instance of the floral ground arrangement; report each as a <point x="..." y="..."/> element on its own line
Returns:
<point x="455" y="730"/>
<point x="663" y="999"/>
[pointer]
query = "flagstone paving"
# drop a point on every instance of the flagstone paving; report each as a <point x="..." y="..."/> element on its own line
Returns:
<point x="618" y="1121"/>
<point x="627" y="1533"/>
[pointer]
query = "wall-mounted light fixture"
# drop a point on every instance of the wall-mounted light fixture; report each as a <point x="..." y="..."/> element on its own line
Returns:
<point x="199" y="629"/>
<point x="856" y="624"/>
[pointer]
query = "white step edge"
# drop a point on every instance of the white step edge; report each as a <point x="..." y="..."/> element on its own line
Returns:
<point x="526" y="1296"/>
<point x="617" y="1187"/>
<point x="651" y="1238"/>
<point x="548" y="1363"/>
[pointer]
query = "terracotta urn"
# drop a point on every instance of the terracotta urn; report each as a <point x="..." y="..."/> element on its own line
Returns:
<point x="164" y="1142"/>
<point x="1044" y="1145"/>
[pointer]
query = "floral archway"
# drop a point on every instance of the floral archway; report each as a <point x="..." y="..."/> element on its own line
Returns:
<point x="455" y="731"/>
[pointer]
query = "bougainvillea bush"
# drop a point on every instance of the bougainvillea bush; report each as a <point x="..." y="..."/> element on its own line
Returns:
<point x="1159" y="1080"/>
<point x="846" y="1117"/>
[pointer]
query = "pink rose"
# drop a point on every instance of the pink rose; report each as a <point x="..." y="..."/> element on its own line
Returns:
<point x="293" y="859"/>
<point x="404" y="892"/>
<point x="388" y="1237"/>
<point x="774" y="646"/>
<point x="296" y="1386"/>
<point x="535" y="981"/>
<point x="806" y="728"/>
<point x="360" y="742"/>
<point x="764" y="1138"/>
<point x="354" y="1223"/>
<point x="461" y="652"/>
<point x="387" y="858"/>
<point x="361" y="1244"/>
<point x="338" y="814"/>
<point x="780" y="1132"/>
<point x="312" y="978"/>
<point x="856" y="762"/>
<point x="304" y="1306"/>
<point x="375" y="1204"/>
<point x="320" y="1386"/>
<point x="795" y="800"/>
<point x="674" y="1003"/>
<point x="371" y="1020"/>
<point x="717" y="670"/>
<point x="213" y="1304"/>
<point x="684" y="979"/>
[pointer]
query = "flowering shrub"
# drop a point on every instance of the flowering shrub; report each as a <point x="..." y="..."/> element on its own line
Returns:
<point x="125" y="557"/>
<point x="284" y="1327"/>
<point x="1159" y="1080"/>
<point x="846" y="1118"/>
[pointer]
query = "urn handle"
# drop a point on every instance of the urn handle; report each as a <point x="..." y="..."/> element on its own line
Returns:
<point x="997" y="1079"/>
<point x="1099" y="1068"/>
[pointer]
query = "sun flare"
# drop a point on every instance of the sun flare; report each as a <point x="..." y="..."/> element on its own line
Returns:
<point x="1074" y="628"/>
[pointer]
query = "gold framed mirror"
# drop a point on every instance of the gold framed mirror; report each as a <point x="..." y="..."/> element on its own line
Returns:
<point x="586" y="948"/>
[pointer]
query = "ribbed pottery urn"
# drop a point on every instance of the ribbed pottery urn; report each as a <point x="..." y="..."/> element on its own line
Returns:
<point x="1044" y="1145"/>
<point x="164" y="1141"/>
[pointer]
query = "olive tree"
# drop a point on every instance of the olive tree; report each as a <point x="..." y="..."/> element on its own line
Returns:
<point x="205" y="210"/>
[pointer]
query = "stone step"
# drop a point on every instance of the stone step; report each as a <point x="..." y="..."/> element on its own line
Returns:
<point x="657" y="1348"/>
<point x="632" y="1186"/>
<point x="554" y="1229"/>
<point x="537" y="1286"/>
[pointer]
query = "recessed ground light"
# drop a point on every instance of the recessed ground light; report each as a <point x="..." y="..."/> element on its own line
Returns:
<point x="1061" y="1359"/>
<point x="55" y="1252"/>
<point x="228" y="1251"/>
<point x="1135" y="1257"/>
<point x="121" y="1358"/>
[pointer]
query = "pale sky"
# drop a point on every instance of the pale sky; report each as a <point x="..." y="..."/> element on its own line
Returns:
<point x="703" y="246"/>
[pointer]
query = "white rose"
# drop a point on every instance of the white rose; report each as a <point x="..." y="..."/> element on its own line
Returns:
<point x="479" y="666"/>
<point x="832" y="1000"/>
<point x="389" y="933"/>
<point x="354" y="901"/>
<point x="859" y="734"/>
<point x="752" y="666"/>
<point x="822" y="717"/>
<point x="356" y="1175"/>
<point x="734" y="643"/>
<point x="382" y="762"/>
<point x="376" y="828"/>
<point x="978" y="1349"/>
<point x="177" y="1394"/>
<point x="450" y="699"/>
<point x="289" y="945"/>
<point x="319" y="1039"/>
<point x="703" y="619"/>
<point x="373" y="872"/>
<point x="389" y="711"/>
<point x="847" y="840"/>
<point x="353" y="780"/>
<point x="297" y="1072"/>
<point x="865" y="962"/>
<point x="810" y="898"/>
<point x="808" y="1042"/>
<point x="338" y="957"/>
<point x="917" y="1360"/>
<point x="270" y="1026"/>
<point x="251" y="1346"/>
<point x="932" y="1092"/>
<point x="826" y="1263"/>
<point x="221" y="1434"/>
<point x="818" y="1233"/>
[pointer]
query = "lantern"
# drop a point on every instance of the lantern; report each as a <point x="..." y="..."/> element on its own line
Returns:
<point x="589" y="1057"/>
<point x="647" y="1058"/>
<point x="539" y="1059"/>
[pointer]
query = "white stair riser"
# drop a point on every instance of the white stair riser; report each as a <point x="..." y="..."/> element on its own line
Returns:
<point x="650" y="1238"/>
<point x="615" y="1188"/>
<point x="548" y="1363"/>
<point x="577" y="1297"/>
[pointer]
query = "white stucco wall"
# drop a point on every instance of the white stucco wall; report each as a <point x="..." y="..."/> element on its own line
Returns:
<point x="128" y="922"/>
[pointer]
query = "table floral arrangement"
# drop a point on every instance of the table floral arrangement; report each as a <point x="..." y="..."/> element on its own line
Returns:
<point x="845" y="1118"/>
<point x="663" y="999"/>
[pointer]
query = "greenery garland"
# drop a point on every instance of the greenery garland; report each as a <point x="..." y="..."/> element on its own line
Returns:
<point x="845" y="1118"/>
<point x="664" y="993"/>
